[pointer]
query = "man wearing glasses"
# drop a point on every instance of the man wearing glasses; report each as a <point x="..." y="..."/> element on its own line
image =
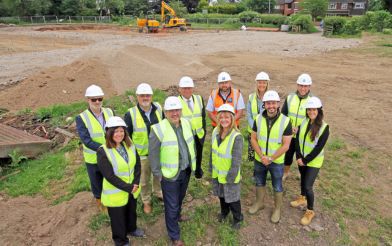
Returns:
<point x="90" y="125"/>
<point x="139" y="120"/>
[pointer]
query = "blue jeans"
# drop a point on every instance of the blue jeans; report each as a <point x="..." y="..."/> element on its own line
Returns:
<point x="173" y="196"/>
<point x="276" y="171"/>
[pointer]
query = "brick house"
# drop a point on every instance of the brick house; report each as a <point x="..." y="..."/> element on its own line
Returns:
<point x="347" y="7"/>
<point x="287" y="7"/>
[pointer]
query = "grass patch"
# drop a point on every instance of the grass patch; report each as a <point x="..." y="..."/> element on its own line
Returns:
<point x="99" y="221"/>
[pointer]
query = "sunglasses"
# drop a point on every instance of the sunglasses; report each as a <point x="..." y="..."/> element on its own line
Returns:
<point x="96" y="99"/>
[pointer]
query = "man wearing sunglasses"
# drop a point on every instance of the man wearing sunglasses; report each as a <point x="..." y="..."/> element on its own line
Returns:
<point x="139" y="120"/>
<point x="90" y="125"/>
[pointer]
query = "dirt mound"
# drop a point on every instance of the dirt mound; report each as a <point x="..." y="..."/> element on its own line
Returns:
<point x="61" y="85"/>
<point x="35" y="222"/>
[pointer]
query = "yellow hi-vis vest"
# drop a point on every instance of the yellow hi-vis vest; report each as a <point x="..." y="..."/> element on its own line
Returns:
<point x="222" y="156"/>
<point x="112" y="196"/>
<point x="169" y="153"/>
<point x="96" y="131"/>
<point x="307" y="145"/>
<point x="254" y="109"/>
<point x="296" y="109"/>
<point x="140" y="133"/>
<point x="269" y="144"/>
<point x="194" y="117"/>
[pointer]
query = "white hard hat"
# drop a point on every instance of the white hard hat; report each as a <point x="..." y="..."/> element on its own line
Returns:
<point x="262" y="76"/>
<point x="223" y="77"/>
<point x="304" y="79"/>
<point x="172" y="103"/>
<point x="115" y="121"/>
<point x="144" y="89"/>
<point x="314" y="102"/>
<point x="94" y="91"/>
<point x="186" y="82"/>
<point x="226" y="108"/>
<point x="271" y="96"/>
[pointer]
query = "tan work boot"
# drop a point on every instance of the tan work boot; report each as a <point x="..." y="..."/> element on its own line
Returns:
<point x="308" y="216"/>
<point x="259" y="203"/>
<point x="278" y="197"/>
<point x="147" y="209"/>
<point x="301" y="201"/>
<point x="286" y="172"/>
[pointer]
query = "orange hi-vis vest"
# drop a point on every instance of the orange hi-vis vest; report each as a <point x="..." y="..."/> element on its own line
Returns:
<point x="231" y="99"/>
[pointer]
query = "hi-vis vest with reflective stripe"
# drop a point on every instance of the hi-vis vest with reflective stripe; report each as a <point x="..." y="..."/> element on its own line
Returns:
<point x="169" y="153"/>
<point x="112" y="196"/>
<point x="222" y="156"/>
<point x="254" y="108"/>
<point x="140" y="133"/>
<point x="96" y="131"/>
<point x="307" y="145"/>
<point x="296" y="109"/>
<point x="194" y="117"/>
<point x="217" y="101"/>
<point x="270" y="144"/>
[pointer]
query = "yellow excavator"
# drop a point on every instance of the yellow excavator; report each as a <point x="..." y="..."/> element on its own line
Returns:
<point x="172" y="21"/>
<point x="148" y="24"/>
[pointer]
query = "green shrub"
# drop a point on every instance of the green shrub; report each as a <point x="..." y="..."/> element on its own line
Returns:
<point x="273" y="19"/>
<point x="248" y="16"/>
<point x="336" y="22"/>
<point x="379" y="20"/>
<point x="353" y="26"/>
<point x="319" y="18"/>
<point x="226" y="8"/>
<point x="387" y="31"/>
<point x="304" y="21"/>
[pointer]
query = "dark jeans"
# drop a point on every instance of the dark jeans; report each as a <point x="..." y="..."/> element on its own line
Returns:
<point x="199" y="155"/>
<point x="123" y="220"/>
<point x="173" y="194"/>
<point x="251" y="151"/>
<point x="288" y="158"/>
<point x="96" y="179"/>
<point x="276" y="171"/>
<point x="234" y="207"/>
<point x="308" y="176"/>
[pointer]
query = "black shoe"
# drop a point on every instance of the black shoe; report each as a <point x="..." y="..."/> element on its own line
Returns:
<point x="137" y="233"/>
<point x="199" y="174"/>
<point x="221" y="218"/>
<point x="236" y="225"/>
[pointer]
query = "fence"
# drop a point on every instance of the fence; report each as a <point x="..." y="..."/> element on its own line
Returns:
<point x="53" y="19"/>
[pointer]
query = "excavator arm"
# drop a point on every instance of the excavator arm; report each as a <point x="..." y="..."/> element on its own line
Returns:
<point x="164" y="7"/>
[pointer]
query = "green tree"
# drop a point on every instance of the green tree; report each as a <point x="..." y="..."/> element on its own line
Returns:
<point x="203" y="4"/>
<point x="25" y="7"/>
<point x="261" y="6"/>
<point x="375" y="5"/>
<point x="179" y="8"/>
<point x="137" y="7"/>
<point x="314" y="7"/>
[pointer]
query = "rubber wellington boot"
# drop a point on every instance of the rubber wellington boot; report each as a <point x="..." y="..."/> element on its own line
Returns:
<point x="301" y="201"/>
<point x="286" y="172"/>
<point x="259" y="203"/>
<point x="308" y="216"/>
<point x="278" y="197"/>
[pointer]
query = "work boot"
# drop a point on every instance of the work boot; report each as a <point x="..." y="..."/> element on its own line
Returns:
<point x="286" y="172"/>
<point x="301" y="201"/>
<point x="308" y="216"/>
<point x="221" y="218"/>
<point x="259" y="203"/>
<point x="137" y="233"/>
<point x="278" y="197"/>
<point x="177" y="243"/>
<point x="147" y="209"/>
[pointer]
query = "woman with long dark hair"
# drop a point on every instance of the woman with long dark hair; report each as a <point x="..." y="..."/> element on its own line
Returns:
<point x="311" y="138"/>
<point x="119" y="164"/>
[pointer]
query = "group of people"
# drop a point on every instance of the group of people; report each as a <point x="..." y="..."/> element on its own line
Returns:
<point x="154" y="150"/>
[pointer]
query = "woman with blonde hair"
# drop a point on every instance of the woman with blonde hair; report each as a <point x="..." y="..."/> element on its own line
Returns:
<point x="119" y="164"/>
<point x="225" y="164"/>
<point x="255" y="107"/>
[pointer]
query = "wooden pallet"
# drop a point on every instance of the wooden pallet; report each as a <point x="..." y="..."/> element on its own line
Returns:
<point x="25" y="143"/>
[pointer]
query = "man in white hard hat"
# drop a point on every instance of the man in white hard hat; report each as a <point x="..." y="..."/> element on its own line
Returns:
<point x="90" y="125"/>
<point x="193" y="110"/>
<point x="225" y="94"/>
<point x="294" y="108"/>
<point x="270" y="139"/>
<point x="173" y="145"/>
<point x="139" y="120"/>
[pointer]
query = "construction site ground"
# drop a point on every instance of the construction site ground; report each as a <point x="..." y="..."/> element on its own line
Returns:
<point x="46" y="65"/>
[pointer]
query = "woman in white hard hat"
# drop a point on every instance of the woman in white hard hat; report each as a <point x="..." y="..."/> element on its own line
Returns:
<point x="255" y="106"/>
<point x="225" y="163"/>
<point x="311" y="138"/>
<point x="119" y="164"/>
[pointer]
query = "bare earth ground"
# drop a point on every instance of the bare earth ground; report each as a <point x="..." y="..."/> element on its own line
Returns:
<point x="41" y="68"/>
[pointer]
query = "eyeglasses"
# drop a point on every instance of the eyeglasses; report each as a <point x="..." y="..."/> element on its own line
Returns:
<point x="96" y="99"/>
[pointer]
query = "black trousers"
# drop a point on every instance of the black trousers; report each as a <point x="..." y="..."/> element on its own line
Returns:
<point x="123" y="220"/>
<point x="288" y="158"/>
<point x="199" y="155"/>
<point x="96" y="179"/>
<point x="234" y="207"/>
<point x="308" y="176"/>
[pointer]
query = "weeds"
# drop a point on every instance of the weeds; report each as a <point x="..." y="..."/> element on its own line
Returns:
<point x="16" y="158"/>
<point x="99" y="221"/>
